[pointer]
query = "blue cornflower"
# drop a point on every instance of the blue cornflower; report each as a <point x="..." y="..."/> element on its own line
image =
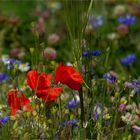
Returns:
<point x="3" y="76"/>
<point x="10" y="62"/>
<point x="91" y="53"/>
<point x="4" y="120"/>
<point x="135" y="85"/>
<point x="72" y="104"/>
<point x="14" y="61"/>
<point x="128" y="19"/>
<point x="110" y="77"/>
<point x="129" y="59"/>
<point x="96" y="21"/>
<point x="136" y="90"/>
<point x="72" y="123"/>
<point x="136" y="82"/>
<point x="86" y="54"/>
<point x="96" y="53"/>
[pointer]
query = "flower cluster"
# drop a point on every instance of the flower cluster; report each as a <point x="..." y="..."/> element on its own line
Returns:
<point x="41" y="83"/>
<point x="11" y="63"/>
<point x="127" y="19"/>
<point x="131" y="115"/>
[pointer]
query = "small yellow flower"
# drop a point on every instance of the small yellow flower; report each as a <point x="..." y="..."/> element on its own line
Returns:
<point x="123" y="101"/>
<point x="107" y="116"/>
<point x="129" y="137"/>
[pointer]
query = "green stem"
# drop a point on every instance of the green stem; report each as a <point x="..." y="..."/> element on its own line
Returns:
<point x="82" y="107"/>
<point x="60" y="109"/>
<point x="99" y="131"/>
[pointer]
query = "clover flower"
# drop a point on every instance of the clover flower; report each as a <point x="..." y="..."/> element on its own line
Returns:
<point x="119" y="10"/>
<point x="53" y="39"/>
<point x="136" y="128"/>
<point x="132" y="114"/>
<point x="15" y="52"/>
<point x="39" y="26"/>
<point x="49" y="53"/>
<point x="122" y="107"/>
<point x="122" y="29"/>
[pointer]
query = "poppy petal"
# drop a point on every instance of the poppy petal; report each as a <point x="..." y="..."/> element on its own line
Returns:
<point x="32" y="77"/>
<point x="35" y="80"/>
<point x="17" y="101"/>
<point x="69" y="76"/>
<point x="49" y="94"/>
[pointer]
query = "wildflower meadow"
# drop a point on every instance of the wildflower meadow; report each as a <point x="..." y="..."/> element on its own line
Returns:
<point x="69" y="69"/>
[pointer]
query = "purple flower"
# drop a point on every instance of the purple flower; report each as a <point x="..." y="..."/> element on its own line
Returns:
<point x="128" y="84"/>
<point x="128" y="60"/>
<point x="4" y="120"/>
<point x="110" y="77"/>
<point x="3" y="76"/>
<point x="136" y="128"/>
<point x="10" y="62"/>
<point x="96" y="21"/>
<point x="72" y="123"/>
<point x="122" y="107"/>
<point x="86" y="54"/>
<point x="96" y="53"/>
<point x="135" y="84"/>
<point x="91" y="53"/>
<point x="128" y="19"/>
<point x="13" y="61"/>
<point x="72" y="104"/>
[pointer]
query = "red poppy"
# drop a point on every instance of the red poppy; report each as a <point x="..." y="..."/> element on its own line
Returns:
<point x="17" y="101"/>
<point x="41" y="83"/>
<point x="69" y="76"/>
<point x="49" y="94"/>
<point x="38" y="81"/>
